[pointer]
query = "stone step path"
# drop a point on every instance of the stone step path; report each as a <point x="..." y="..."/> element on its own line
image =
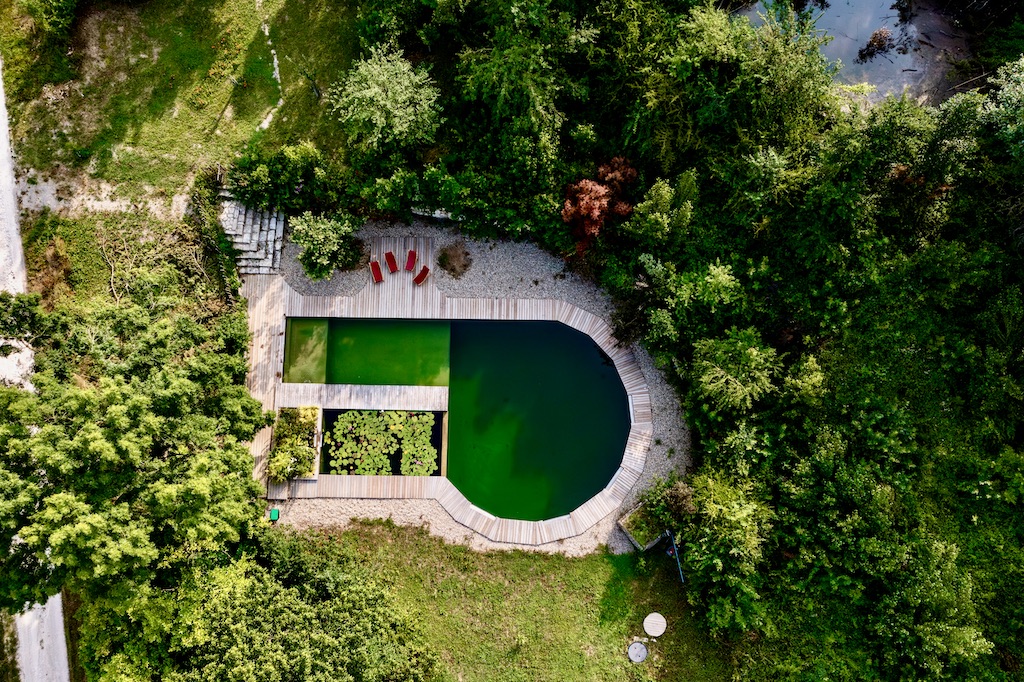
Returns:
<point x="258" y="236"/>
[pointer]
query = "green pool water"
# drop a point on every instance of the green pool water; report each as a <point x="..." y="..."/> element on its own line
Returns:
<point x="538" y="418"/>
<point x="537" y="415"/>
<point x="374" y="352"/>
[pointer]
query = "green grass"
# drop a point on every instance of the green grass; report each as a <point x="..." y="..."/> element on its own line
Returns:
<point x="79" y="241"/>
<point x="531" y="617"/>
<point x="165" y="88"/>
<point x="8" y="649"/>
<point x="29" y="61"/>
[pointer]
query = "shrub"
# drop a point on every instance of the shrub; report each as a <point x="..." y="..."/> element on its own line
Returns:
<point x="51" y="16"/>
<point x="293" y="453"/>
<point x="455" y="259"/>
<point x="293" y="179"/>
<point x="327" y="243"/>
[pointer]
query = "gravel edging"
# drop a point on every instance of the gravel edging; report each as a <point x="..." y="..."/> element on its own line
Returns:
<point x="500" y="268"/>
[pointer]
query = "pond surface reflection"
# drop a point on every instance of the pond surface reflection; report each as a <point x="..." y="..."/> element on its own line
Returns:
<point x="895" y="46"/>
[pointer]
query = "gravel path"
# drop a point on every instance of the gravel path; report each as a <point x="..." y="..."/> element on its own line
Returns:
<point x="12" y="261"/>
<point x="505" y="269"/>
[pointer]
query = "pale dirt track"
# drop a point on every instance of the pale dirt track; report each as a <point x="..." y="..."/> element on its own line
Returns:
<point x="42" y="652"/>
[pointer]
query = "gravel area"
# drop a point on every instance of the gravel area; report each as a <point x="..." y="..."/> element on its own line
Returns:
<point x="499" y="269"/>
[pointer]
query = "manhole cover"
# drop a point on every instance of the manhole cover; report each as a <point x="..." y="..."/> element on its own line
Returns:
<point x="654" y="624"/>
<point x="637" y="652"/>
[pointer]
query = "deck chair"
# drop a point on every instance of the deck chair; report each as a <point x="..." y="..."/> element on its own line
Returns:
<point x="422" y="276"/>
<point x="410" y="262"/>
<point x="378" y="276"/>
<point x="392" y="262"/>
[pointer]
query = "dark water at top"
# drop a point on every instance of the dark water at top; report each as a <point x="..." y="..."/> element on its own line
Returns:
<point x="918" y="48"/>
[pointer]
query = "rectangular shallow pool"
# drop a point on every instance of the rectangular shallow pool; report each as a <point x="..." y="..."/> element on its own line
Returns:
<point x="371" y="352"/>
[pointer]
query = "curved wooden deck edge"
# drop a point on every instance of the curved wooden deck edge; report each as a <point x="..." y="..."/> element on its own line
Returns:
<point x="271" y="301"/>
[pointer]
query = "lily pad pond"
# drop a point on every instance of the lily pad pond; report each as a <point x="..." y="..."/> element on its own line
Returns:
<point x="537" y="414"/>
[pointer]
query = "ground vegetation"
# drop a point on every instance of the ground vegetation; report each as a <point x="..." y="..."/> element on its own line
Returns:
<point x="835" y="288"/>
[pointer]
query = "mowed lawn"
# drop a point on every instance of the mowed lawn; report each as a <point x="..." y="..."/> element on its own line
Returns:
<point x="532" y="617"/>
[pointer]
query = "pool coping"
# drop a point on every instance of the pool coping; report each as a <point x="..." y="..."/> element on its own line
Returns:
<point x="271" y="301"/>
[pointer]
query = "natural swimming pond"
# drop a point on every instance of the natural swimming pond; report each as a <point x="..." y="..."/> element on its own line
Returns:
<point x="537" y="418"/>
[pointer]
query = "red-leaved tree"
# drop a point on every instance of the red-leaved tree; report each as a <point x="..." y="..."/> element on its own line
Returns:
<point x="588" y="202"/>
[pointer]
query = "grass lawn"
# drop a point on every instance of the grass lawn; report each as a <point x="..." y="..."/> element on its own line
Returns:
<point x="164" y="88"/>
<point x="530" y="617"/>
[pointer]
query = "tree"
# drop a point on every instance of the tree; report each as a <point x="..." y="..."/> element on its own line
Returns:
<point x="589" y="202"/>
<point x="385" y="103"/>
<point x="327" y="243"/>
<point x="113" y="480"/>
<point x="664" y="215"/>
<point x="735" y="371"/>
<point x="1005" y="109"/>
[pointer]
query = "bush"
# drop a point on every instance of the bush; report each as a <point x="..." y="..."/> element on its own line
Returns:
<point x="51" y="16"/>
<point x="296" y="178"/>
<point x="293" y="453"/>
<point x="455" y="259"/>
<point x="386" y="104"/>
<point x="327" y="243"/>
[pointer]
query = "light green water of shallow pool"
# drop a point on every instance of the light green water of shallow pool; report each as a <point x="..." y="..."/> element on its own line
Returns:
<point x="373" y="352"/>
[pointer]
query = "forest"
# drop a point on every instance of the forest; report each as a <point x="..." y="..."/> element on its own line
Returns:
<point x="834" y="286"/>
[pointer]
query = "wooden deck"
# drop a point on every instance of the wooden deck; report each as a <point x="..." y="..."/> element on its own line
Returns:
<point x="272" y="301"/>
<point x="359" y="397"/>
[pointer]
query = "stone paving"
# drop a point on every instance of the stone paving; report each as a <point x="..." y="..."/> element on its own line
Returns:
<point x="258" y="236"/>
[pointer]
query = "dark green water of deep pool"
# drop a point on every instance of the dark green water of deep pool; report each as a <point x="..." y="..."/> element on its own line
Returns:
<point x="537" y="415"/>
<point x="537" y="420"/>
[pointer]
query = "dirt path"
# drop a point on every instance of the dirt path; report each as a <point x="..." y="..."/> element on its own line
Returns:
<point x="12" y="260"/>
<point x="42" y="650"/>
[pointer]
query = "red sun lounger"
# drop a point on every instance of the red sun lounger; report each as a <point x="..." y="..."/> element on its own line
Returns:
<point x="422" y="276"/>
<point x="410" y="262"/>
<point x="392" y="263"/>
<point x="378" y="276"/>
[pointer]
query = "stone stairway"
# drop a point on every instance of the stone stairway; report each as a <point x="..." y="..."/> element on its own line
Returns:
<point x="257" y="236"/>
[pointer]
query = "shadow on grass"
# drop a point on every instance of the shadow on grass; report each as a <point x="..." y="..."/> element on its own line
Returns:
<point x="185" y="37"/>
<point x="316" y="44"/>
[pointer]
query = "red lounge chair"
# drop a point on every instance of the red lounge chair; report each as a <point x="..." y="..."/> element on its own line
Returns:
<point x="422" y="276"/>
<point x="378" y="276"/>
<point x="392" y="263"/>
<point x="410" y="262"/>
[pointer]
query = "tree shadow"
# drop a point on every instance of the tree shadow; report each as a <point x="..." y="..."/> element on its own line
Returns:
<point x="315" y="42"/>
